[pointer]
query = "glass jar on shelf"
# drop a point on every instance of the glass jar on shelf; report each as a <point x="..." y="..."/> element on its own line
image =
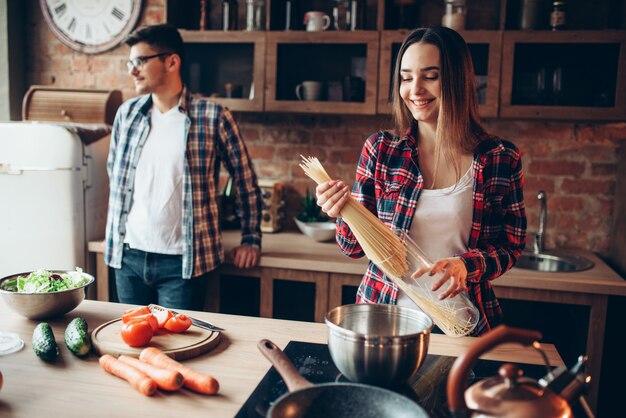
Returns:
<point x="357" y="14"/>
<point x="341" y="15"/>
<point x="557" y="16"/>
<point x="454" y="17"/>
<point x="255" y="15"/>
<point x="529" y="14"/>
<point x="293" y="18"/>
<point x="230" y="15"/>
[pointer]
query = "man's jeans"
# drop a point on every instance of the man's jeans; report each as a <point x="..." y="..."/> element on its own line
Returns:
<point x="157" y="278"/>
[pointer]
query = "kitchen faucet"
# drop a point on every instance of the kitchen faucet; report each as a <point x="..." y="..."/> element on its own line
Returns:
<point x="540" y="237"/>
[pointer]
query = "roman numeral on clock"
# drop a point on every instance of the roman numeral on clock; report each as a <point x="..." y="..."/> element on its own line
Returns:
<point x="117" y="13"/>
<point x="72" y="25"/>
<point x="60" y="9"/>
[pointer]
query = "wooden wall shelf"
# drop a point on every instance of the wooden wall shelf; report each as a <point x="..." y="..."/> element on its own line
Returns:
<point x="320" y="56"/>
<point x="491" y="32"/>
<point x="487" y="65"/>
<point x="591" y="83"/>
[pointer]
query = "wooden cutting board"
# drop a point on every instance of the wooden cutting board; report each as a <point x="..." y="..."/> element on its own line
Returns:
<point x="106" y="339"/>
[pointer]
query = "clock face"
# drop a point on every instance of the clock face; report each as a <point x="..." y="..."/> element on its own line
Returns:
<point x="91" y="26"/>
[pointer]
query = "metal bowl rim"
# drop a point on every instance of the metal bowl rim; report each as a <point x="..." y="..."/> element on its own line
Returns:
<point x="356" y="336"/>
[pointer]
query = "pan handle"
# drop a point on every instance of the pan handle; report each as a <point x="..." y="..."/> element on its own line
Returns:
<point x="293" y="379"/>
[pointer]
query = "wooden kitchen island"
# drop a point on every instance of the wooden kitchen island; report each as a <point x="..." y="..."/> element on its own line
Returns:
<point x="295" y="257"/>
<point x="74" y="387"/>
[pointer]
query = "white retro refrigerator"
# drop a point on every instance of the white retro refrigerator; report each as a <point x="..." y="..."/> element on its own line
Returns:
<point x="53" y="194"/>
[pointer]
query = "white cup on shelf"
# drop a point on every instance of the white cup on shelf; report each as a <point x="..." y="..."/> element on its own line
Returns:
<point x="316" y="21"/>
<point x="309" y="90"/>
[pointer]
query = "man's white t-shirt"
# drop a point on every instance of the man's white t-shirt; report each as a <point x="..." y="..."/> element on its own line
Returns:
<point x="155" y="218"/>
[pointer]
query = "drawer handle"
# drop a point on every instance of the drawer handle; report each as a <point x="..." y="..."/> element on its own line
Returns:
<point x="66" y="114"/>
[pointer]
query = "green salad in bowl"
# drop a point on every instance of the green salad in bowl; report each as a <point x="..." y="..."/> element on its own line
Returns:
<point x="44" y="293"/>
<point x="44" y="281"/>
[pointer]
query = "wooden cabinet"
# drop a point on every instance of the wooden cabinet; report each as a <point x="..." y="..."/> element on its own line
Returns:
<point x="345" y="65"/>
<point x="576" y="74"/>
<point x="220" y="64"/>
<point x="485" y="47"/>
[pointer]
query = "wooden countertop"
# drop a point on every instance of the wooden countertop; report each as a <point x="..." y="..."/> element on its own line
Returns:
<point x="74" y="387"/>
<point x="294" y="250"/>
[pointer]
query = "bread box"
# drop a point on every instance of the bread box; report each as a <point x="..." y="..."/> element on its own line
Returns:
<point x="47" y="103"/>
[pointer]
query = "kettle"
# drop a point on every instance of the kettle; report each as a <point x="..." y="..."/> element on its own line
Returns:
<point x="511" y="394"/>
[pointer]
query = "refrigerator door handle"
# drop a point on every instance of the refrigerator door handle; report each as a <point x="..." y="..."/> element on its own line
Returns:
<point x="9" y="169"/>
<point x="88" y="172"/>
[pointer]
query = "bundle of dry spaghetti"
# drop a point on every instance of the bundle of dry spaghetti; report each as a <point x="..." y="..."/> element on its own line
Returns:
<point x="455" y="316"/>
<point x="380" y="244"/>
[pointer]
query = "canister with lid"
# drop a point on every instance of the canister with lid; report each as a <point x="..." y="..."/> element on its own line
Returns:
<point x="454" y="17"/>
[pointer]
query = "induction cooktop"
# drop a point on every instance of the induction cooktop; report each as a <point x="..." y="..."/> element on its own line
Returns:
<point x="427" y="388"/>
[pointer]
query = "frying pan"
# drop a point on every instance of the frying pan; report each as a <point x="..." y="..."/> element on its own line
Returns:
<point x="349" y="400"/>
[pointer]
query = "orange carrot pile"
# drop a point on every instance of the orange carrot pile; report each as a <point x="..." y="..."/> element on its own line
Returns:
<point x="155" y="369"/>
<point x="193" y="380"/>
<point x="164" y="378"/>
<point x="138" y="379"/>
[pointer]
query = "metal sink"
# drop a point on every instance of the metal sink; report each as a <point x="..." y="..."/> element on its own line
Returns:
<point x="553" y="263"/>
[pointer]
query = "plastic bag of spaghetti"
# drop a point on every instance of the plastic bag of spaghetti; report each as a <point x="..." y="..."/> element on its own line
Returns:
<point x="455" y="316"/>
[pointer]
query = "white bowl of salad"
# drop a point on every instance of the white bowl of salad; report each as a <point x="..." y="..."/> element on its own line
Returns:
<point x="43" y="293"/>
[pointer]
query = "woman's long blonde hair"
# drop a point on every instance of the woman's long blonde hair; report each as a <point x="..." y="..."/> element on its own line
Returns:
<point x="458" y="121"/>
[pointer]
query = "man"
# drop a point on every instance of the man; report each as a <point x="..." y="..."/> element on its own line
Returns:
<point x="162" y="235"/>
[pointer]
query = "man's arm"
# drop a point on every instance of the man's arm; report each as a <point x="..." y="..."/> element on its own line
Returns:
<point x="239" y="165"/>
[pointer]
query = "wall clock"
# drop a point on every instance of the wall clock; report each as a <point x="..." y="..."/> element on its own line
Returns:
<point x="91" y="26"/>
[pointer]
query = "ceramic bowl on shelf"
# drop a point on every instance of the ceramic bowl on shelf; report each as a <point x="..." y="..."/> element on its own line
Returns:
<point x="319" y="231"/>
<point x="43" y="305"/>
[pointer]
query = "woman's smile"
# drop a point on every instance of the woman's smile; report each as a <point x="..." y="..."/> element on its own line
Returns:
<point x="421" y="102"/>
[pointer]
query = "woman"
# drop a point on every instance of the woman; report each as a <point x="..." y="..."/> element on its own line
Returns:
<point x="454" y="188"/>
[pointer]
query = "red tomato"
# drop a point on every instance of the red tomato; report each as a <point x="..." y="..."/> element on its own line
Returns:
<point x="147" y="317"/>
<point x="137" y="333"/>
<point x="162" y="316"/>
<point x="137" y="311"/>
<point x="178" y="323"/>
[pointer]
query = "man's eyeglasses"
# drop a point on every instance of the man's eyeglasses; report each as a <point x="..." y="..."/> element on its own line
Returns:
<point x="138" y="62"/>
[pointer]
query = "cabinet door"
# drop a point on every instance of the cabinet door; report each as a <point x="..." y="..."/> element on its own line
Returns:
<point x="485" y="47"/>
<point x="575" y="75"/>
<point x="228" y="67"/>
<point x="334" y="74"/>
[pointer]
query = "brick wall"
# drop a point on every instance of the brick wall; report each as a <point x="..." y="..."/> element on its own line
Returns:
<point x="576" y="164"/>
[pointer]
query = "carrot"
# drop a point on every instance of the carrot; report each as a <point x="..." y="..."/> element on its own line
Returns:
<point x="196" y="381"/>
<point x="164" y="378"/>
<point x="138" y="379"/>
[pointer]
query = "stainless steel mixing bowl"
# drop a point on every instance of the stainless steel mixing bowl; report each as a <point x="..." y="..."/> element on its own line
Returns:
<point x="43" y="305"/>
<point x="377" y="344"/>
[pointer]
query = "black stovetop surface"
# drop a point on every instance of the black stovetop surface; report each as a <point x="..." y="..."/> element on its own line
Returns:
<point x="427" y="388"/>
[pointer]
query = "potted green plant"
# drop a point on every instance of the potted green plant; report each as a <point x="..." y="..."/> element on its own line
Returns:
<point x="311" y="212"/>
<point x="313" y="222"/>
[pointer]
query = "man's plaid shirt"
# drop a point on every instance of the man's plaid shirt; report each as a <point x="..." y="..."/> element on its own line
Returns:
<point x="212" y="137"/>
<point x="389" y="182"/>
